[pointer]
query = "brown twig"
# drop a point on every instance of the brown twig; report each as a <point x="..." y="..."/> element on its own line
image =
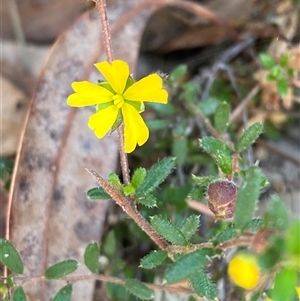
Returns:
<point x="129" y="207"/>
<point x="101" y="6"/>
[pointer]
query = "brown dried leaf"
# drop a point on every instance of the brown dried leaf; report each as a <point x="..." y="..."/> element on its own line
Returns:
<point x="52" y="220"/>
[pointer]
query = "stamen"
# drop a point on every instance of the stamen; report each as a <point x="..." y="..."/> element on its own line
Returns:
<point x="118" y="100"/>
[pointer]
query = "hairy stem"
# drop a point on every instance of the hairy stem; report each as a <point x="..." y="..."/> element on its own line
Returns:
<point x="101" y="6"/>
<point x="129" y="207"/>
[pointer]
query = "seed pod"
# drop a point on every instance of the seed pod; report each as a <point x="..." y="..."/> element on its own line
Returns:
<point x="221" y="198"/>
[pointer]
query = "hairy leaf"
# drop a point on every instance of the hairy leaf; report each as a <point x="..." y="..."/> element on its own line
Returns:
<point x="154" y="259"/>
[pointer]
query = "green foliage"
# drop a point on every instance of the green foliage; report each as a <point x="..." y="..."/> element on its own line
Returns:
<point x="279" y="72"/>
<point x="221" y="152"/>
<point x="293" y="238"/>
<point x="284" y="285"/>
<point x="98" y="193"/>
<point x="247" y="198"/>
<point x="167" y="230"/>
<point x="109" y="244"/>
<point x="19" y="294"/>
<point x="187" y="265"/>
<point x="276" y="215"/>
<point x="138" y="177"/>
<point x="115" y="181"/>
<point x="10" y="257"/>
<point x="225" y="235"/>
<point x="138" y="289"/>
<point x="148" y="200"/>
<point x="61" y="269"/>
<point x="6" y="169"/>
<point x="91" y="257"/>
<point x="116" y="291"/>
<point x="64" y="293"/>
<point x="203" y="286"/>
<point x="154" y="259"/>
<point x="249" y="136"/>
<point x="177" y="74"/>
<point x="190" y="226"/>
<point x="180" y="149"/>
<point x="221" y="117"/>
<point x="156" y="175"/>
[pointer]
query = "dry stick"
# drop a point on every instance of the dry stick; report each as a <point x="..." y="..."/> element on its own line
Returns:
<point x="129" y="207"/>
<point x="101" y="6"/>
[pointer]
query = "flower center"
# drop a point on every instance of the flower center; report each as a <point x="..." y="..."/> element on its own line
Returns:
<point x="118" y="100"/>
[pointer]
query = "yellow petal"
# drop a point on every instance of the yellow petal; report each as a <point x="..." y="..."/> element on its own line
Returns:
<point x="244" y="271"/>
<point x="135" y="129"/>
<point x="102" y="121"/>
<point x="148" y="88"/>
<point x="116" y="74"/>
<point x="88" y="94"/>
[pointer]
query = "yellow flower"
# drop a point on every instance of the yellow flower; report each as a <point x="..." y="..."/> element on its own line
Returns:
<point x="119" y="99"/>
<point x="244" y="271"/>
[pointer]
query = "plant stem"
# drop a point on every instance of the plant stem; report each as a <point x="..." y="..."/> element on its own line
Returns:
<point x="101" y="6"/>
<point x="129" y="207"/>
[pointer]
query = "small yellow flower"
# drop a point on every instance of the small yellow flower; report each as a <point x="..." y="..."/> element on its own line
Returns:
<point x="119" y="99"/>
<point x="244" y="271"/>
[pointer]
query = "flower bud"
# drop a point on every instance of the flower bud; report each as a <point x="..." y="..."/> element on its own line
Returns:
<point x="221" y="198"/>
<point x="244" y="270"/>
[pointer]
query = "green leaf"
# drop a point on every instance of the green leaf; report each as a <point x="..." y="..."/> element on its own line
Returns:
<point x="221" y="117"/>
<point x="249" y="136"/>
<point x="61" y="269"/>
<point x="203" y="286"/>
<point x="247" y="198"/>
<point x="187" y="265"/>
<point x="64" y="293"/>
<point x="276" y="72"/>
<point x="191" y="90"/>
<point x="282" y="86"/>
<point x="91" y="257"/>
<point x="19" y="294"/>
<point x="157" y="124"/>
<point x="284" y="285"/>
<point x="266" y="60"/>
<point x="221" y="152"/>
<point x="209" y="106"/>
<point x="138" y="177"/>
<point x="190" y="226"/>
<point x="98" y="193"/>
<point x="180" y="149"/>
<point x="10" y="257"/>
<point x="109" y="244"/>
<point x="138" y="289"/>
<point x="284" y="60"/>
<point x="276" y="215"/>
<point x="204" y="181"/>
<point x="129" y="189"/>
<point x="148" y="200"/>
<point x="6" y="167"/>
<point x="226" y="234"/>
<point x="154" y="259"/>
<point x="177" y="74"/>
<point x="293" y="238"/>
<point x="115" y="181"/>
<point x="168" y="231"/>
<point x="156" y="175"/>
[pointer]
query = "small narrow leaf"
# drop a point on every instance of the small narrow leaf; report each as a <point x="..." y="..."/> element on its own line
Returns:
<point x="180" y="149"/>
<point x="177" y="73"/>
<point x="138" y="289"/>
<point x="109" y="244"/>
<point x="221" y="152"/>
<point x="154" y="259"/>
<point x="187" y="265"/>
<point x="293" y="238"/>
<point x="282" y="86"/>
<point x="138" y="177"/>
<point x="249" y="136"/>
<point x="167" y="230"/>
<point x="226" y="234"/>
<point x="247" y="198"/>
<point x="156" y="175"/>
<point x="129" y="189"/>
<point x="204" y="181"/>
<point x="221" y="117"/>
<point x="203" y="286"/>
<point x="61" y="269"/>
<point x="276" y="215"/>
<point x="190" y="226"/>
<point x="266" y="60"/>
<point x="148" y="200"/>
<point x="91" y="257"/>
<point x="19" y="294"/>
<point x="64" y="293"/>
<point x="114" y="180"/>
<point x="10" y="257"/>
<point x="98" y="193"/>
